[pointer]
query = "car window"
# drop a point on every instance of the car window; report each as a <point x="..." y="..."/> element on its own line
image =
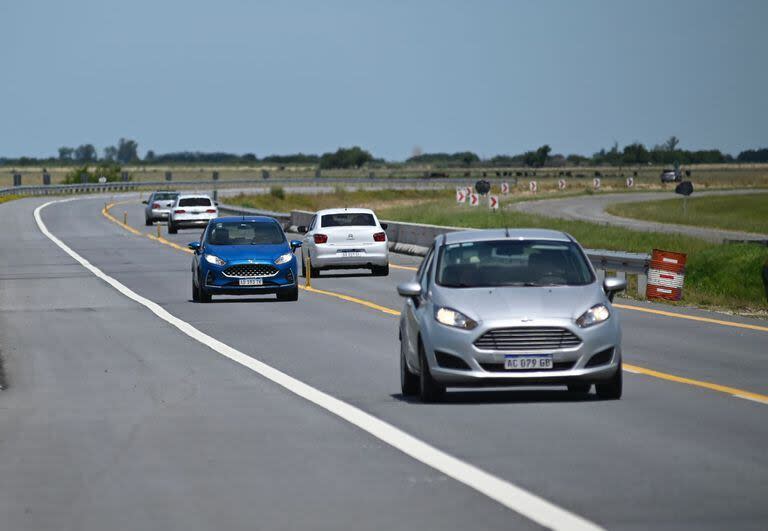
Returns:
<point x="312" y="223"/>
<point x="164" y="196"/>
<point x="245" y="233"/>
<point x="351" y="219"/>
<point x="425" y="263"/>
<point x="512" y="263"/>
<point x="194" y="201"/>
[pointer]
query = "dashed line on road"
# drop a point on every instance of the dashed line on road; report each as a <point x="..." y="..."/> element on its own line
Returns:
<point x="519" y="500"/>
<point x="633" y="369"/>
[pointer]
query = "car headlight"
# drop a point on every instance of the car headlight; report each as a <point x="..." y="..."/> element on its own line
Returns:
<point x="283" y="258"/>
<point x="596" y="314"/>
<point x="450" y="317"/>
<point x="214" y="260"/>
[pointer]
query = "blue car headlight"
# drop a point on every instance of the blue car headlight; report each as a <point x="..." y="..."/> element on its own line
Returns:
<point x="215" y="260"/>
<point x="283" y="258"/>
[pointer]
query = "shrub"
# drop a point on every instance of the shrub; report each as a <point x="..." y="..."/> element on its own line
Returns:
<point x="277" y="192"/>
<point x="111" y="171"/>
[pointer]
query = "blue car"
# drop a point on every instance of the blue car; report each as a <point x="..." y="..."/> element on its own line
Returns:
<point x="244" y="255"/>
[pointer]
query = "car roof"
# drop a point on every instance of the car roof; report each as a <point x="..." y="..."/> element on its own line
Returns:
<point x="187" y="194"/>
<point x="165" y="192"/>
<point x="345" y="211"/>
<point x="502" y="234"/>
<point x="256" y="219"/>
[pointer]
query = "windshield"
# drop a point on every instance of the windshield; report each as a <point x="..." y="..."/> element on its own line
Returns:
<point x="194" y="201"/>
<point x="245" y="233"/>
<point x="164" y="196"/>
<point x="512" y="263"/>
<point x="348" y="220"/>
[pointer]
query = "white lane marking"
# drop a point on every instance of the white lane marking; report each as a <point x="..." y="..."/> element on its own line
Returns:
<point x="515" y="498"/>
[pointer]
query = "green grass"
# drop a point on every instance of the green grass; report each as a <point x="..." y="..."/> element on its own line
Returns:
<point x="6" y="198"/>
<point x="718" y="276"/>
<point x="747" y="213"/>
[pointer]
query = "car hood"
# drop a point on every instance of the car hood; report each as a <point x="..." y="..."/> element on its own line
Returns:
<point x="549" y="302"/>
<point x="264" y="252"/>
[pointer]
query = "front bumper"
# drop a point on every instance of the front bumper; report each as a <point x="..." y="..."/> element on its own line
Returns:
<point x="328" y="255"/>
<point x="215" y="281"/>
<point x="486" y="367"/>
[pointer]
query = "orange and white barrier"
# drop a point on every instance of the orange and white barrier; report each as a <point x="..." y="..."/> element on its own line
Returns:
<point x="666" y="275"/>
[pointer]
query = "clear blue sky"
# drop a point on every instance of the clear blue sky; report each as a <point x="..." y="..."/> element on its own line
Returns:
<point x="287" y="76"/>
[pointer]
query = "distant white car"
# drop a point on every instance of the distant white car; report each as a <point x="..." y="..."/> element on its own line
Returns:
<point x="191" y="210"/>
<point x="158" y="206"/>
<point x="345" y="238"/>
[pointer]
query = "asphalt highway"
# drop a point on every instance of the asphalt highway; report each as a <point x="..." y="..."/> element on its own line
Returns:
<point x="114" y="418"/>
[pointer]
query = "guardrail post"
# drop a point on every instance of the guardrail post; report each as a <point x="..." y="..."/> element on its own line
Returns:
<point x="16" y="179"/>
<point x="215" y="176"/>
<point x="46" y="178"/>
<point x="168" y="176"/>
<point x="642" y="284"/>
<point x="124" y="176"/>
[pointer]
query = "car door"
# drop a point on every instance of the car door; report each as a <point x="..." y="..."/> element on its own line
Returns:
<point x="415" y="309"/>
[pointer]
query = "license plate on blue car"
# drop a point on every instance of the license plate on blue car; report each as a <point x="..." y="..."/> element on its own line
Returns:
<point x="251" y="281"/>
<point x="523" y="362"/>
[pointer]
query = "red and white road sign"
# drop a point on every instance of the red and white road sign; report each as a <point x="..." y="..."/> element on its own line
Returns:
<point x="474" y="199"/>
<point x="461" y="195"/>
<point x="666" y="275"/>
<point x="493" y="202"/>
<point x="630" y="182"/>
<point x="504" y="188"/>
<point x="596" y="183"/>
<point x="533" y="187"/>
<point x="468" y="191"/>
<point x="561" y="184"/>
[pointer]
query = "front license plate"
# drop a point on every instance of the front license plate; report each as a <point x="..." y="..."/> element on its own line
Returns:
<point x="516" y="363"/>
<point x="251" y="281"/>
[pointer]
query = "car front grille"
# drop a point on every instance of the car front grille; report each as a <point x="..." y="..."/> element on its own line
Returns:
<point x="250" y="270"/>
<point x="528" y="339"/>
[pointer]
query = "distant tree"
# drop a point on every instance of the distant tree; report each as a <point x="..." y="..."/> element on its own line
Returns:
<point x="635" y="154"/>
<point x="296" y="158"/>
<point x="753" y="155"/>
<point x="577" y="160"/>
<point x="353" y="157"/>
<point x="65" y="153"/>
<point x="127" y="151"/>
<point x="150" y="156"/>
<point x="671" y="143"/>
<point x="110" y="153"/>
<point x="250" y="157"/>
<point x="537" y="158"/>
<point x="85" y="153"/>
<point x="461" y="158"/>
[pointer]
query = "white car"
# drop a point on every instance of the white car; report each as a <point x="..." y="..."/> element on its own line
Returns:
<point x="345" y="238"/>
<point x="158" y="206"/>
<point x="191" y="210"/>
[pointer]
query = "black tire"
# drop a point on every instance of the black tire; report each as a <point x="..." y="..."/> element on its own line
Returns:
<point x="195" y="292"/>
<point x="172" y="228"/>
<point x="147" y="222"/>
<point x="205" y="295"/>
<point x="429" y="389"/>
<point x="313" y="271"/>
<point x="580" y="388"/>
<point x="290" y="294"/>
<point x="611" y="389"/>
<point x="303" y="267"/>
<point x="409" y="382"/>
<point x="380" y="271"/>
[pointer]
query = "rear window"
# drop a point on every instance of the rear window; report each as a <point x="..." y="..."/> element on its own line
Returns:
<point x="164" y="196"/>
<point x="194" y="201"/>
<point x="352" y="219"/>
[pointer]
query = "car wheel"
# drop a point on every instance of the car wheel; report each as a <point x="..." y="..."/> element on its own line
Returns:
<point x="205" y="295"/>
<point x="313" y="271"/>
<point x="172" y="228"/>
<point x="195" y="292"/>
<point x="611" y="389"/>
<point x="147" y="221"/>
<point x="289" y="294"/>
<point x="380" y="271"/>
<point x="409" y="382"/>
<point x="303" y="267"/>
<point x="429" y="389"/>
<point x="580" y="388"/>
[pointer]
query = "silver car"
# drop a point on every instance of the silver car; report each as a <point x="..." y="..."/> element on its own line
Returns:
<point x="509" y="307"/>
<point x="158" y="206"/>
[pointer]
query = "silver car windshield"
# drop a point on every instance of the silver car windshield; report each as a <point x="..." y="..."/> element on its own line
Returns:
<point x="512" y="263"/>
<point x="245" y="233"/>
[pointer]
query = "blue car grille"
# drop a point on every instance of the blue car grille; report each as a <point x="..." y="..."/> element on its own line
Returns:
<point x="251" y="270"/>
<point x="528" y="338"/>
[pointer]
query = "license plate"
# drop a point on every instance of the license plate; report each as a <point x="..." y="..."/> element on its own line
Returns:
<point x="351" y="252"/>
<point x="251" y="281"/>
<point x="516" y="363"/>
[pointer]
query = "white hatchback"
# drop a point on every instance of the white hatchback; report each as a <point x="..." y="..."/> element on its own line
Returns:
<point x="191" y="210"/>
<point x="345" y="238"/>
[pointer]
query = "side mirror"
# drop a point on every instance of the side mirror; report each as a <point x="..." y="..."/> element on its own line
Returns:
<point x="145" y="202"/>
<point x="216" y="203"/>
<point x="612" y="285"/>
<point x="295" y="244"/>
<point x="409" y="289"/>
<point x="384" y="225"/>
<point x="195" y="246"/>
<point x="302" y="229"/>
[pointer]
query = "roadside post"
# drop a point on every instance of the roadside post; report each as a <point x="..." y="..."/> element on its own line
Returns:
<point x="685" y="189"/>
<point x="168" y="176"/>
<point x="125" y="218"/>
<point x="666" y="275"/>
<point x="265" y="174"/>
<point x="215" y="176"/>
<point x="561" y="184"/>
<point x="307" y="273"/>
<point x="596" y="183"/>
<point x="533" y="187"/>
<point x="474" y="199"/>
<point x="630" y="182"/>
<point x="461" y="196"/>
<point x="505" y="188"/>
<point x="159" y="234"/>
<point x="493" y="202"/>
<point x="46" y="178"/>
<point x="125" y="176"/>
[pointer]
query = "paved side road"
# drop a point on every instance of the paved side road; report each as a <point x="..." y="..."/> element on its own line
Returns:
<point x="592" y="208"/>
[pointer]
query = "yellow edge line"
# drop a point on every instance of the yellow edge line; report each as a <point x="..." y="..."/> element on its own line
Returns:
<point x="693" y="317"/>
<point x="635" y="369"/>
<point x="407" y="268"/>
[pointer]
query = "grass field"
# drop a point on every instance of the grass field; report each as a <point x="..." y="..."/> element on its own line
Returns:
<point x="718" y="276"/>
<point x="747" y="213"/>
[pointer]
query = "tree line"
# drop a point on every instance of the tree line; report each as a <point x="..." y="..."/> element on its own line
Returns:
<point x="126" y="151"/>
